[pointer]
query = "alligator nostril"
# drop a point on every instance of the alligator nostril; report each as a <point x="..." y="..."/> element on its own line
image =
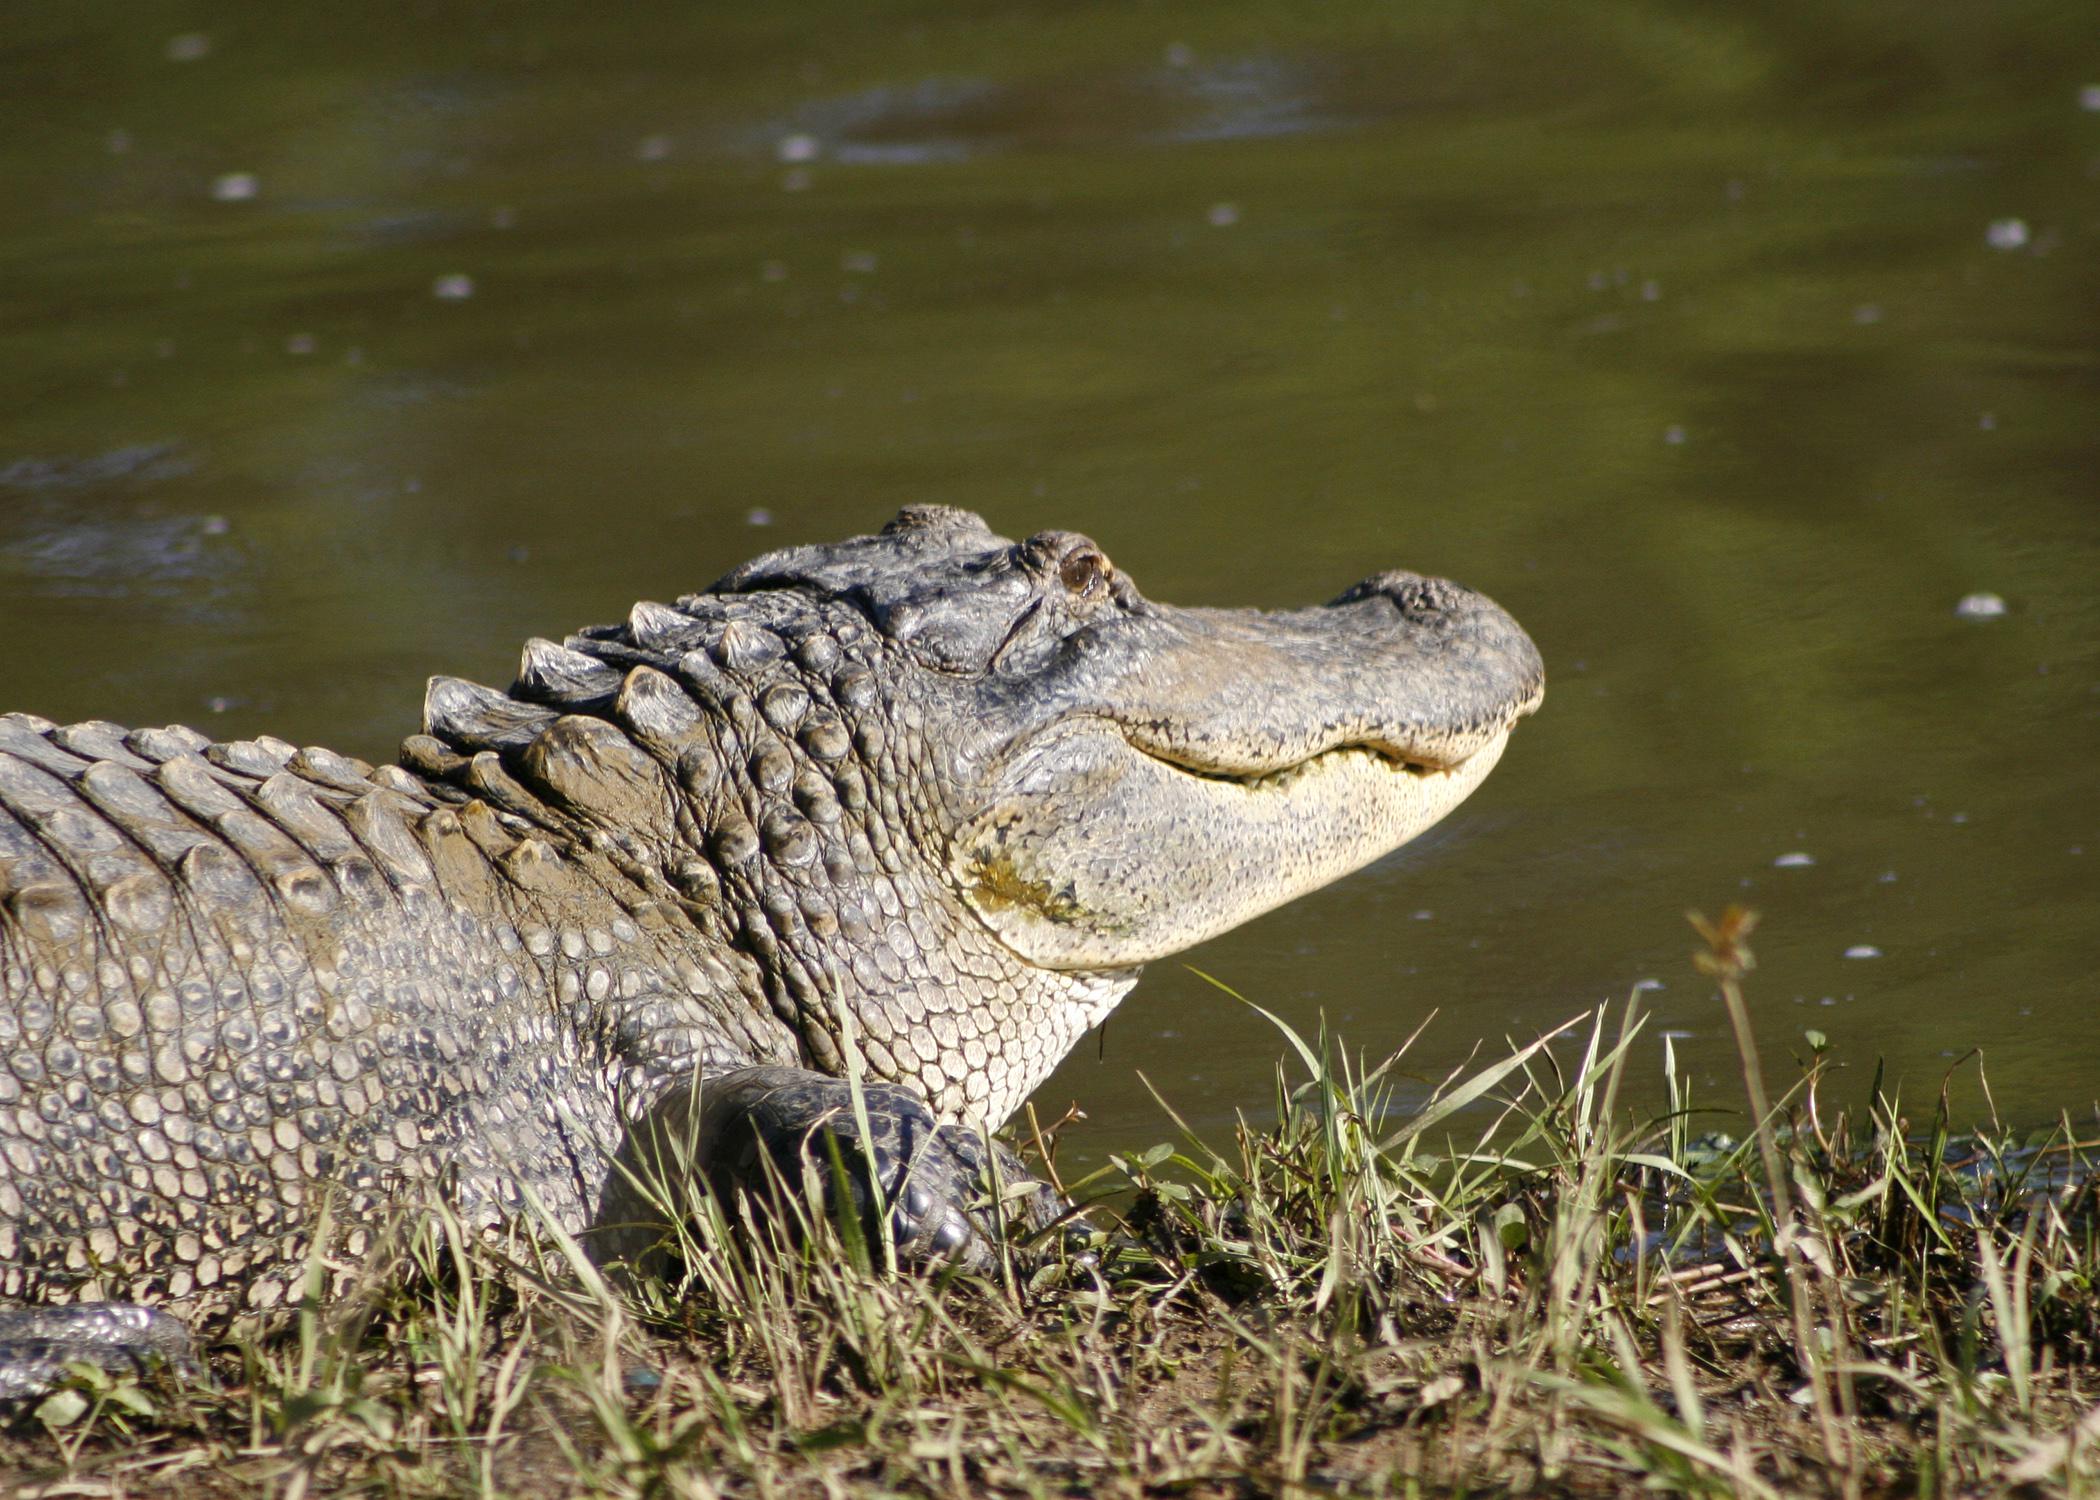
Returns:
<point x="1413" y="594"/>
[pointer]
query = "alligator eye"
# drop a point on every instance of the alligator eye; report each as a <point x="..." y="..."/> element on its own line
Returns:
<point x="1086" y="572"/>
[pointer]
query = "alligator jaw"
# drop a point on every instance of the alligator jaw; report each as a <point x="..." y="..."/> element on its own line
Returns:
<point x="1211" y="765"/>
<point x="1076" y="880"/>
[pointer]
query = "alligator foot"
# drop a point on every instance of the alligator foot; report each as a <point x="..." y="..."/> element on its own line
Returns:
<point x="38" y="1343"/>
<point x="937" y="1180"/>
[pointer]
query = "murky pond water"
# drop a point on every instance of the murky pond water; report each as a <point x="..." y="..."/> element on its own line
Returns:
<point x="1729" y="353"/>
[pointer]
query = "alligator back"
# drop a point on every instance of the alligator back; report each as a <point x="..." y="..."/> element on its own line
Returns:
<point x="230" y="988"/>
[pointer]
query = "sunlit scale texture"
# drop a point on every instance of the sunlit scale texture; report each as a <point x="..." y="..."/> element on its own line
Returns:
<point x="246" y="980"/>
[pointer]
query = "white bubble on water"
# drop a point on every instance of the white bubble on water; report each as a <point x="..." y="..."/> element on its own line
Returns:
<point x="2089" y="98"/>
<point x="858" y="262"/>
<point x="798" y="148"/>
<point x="1980" y="607"/>
<point x="1223" y="215"/>
<point x="299" y="343"/>
<point x="758" y="515"/>
<point x="235" y="187"/>
<point x="1797" y="859"/>
<point x="1862" y="950"/>
<point x="1674" y="435"/>
<point x="2007" y="234"/>
<point x="457" y="287"/>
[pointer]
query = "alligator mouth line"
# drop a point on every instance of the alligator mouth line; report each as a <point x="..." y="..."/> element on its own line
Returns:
<point x="1268" y="780"/>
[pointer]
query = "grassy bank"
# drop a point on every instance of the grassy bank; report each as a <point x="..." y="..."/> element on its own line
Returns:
<point x="1518" y="1289"/>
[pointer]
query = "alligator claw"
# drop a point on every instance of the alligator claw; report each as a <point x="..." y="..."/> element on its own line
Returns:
<point x="935" y="1178"/>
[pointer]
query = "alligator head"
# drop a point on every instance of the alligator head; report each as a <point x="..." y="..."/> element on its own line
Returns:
<point x="1114" y="780"/>
<point x="1118" y="780"/>
<point x="959" y="788"/>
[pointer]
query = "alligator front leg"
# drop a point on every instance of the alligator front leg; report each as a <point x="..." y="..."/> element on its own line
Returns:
<point x="751" y="1129"/>
<point x="38" y="1343"/>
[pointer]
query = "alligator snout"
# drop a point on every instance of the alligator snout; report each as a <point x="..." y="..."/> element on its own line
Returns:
<point x="1421" y="670"/>
<point x="1505" y="677"/>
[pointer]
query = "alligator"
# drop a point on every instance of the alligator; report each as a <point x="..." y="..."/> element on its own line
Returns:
<point x="901" y="815"/>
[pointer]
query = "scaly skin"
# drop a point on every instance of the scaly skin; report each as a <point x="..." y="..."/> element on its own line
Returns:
<point x="930" y="794"/>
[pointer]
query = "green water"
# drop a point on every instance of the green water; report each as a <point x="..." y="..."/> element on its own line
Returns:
<point x="1728" y="347"/>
